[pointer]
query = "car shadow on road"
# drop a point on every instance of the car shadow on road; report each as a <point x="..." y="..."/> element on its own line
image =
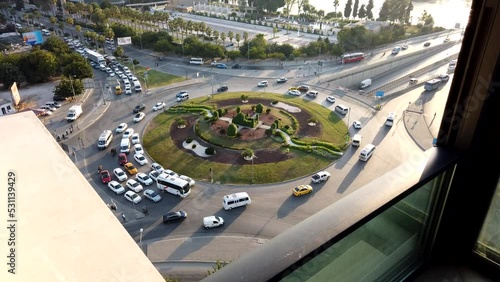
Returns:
<point x="291" y="203"/>
<point x="351" y="176"/>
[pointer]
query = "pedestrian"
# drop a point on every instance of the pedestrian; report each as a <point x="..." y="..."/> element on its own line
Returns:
<point x="66" y="132"/>
<point x="77" y="126"/>
<point x="71" y="130"/>
<point x="71" y="127"/>
<point x="145" y="210"/>
<point x="123" y="217"/>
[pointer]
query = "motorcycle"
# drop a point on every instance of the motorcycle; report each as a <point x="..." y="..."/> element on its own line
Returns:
<point x="113" y="152"/>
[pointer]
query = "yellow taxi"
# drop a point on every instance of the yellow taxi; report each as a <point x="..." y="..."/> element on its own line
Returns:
<point x="293" y="88"/>
<point x="302" y="190"/>
<point x="118" y="90"/>
<point x="130" y="168"/>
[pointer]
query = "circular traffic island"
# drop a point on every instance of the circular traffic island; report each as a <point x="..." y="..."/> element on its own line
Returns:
<point x="277" y="130"/>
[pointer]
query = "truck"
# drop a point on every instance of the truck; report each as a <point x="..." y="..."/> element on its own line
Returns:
<point x="74" y="112"/>
<point x="390" y="119"/>
<point x="365" y="83"/>
<point x="95" y="57"/>
<point x="320" y="177"/>
<point x="356" y="140"/>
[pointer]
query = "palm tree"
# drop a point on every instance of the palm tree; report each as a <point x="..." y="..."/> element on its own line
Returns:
<point x="223" y="38"/>
<point x="78" y="29"/>
<point x="245" y="36"/>
<point x="61" y="27"/>
<point x="238" y="38"/>
<point x="335" y="5"/>
<point x="101" y="40"/>
<point x="230" y="34"/>
<point x="208" y="32"/>
<point x="71" y="22"/>
<point x="53" y="21"/>
<point x="216" y="36"/>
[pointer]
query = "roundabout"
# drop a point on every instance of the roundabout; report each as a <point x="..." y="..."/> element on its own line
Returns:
<point x="209" y="138"/>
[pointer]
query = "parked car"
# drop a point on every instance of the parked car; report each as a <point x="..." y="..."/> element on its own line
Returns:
<point x="356" y="124"/>
<point x="302" y="190"/>
<point x="120" y="174"/>
<point x="236" y="66"/>
<point x="130" y="168"/>
<point x="222" y="88"/>
<point x="132" y="197"/>
<point x="122" y="158"/>
<point x="263" y="83"/>
<point x="282" y="80"/>
<point x="294" y="92"/>
<point x="152" y="195"/>
<point x="221" y="66"/>
<point x="144" y="178"/>
<point x="174" y="216"/>
<point x="134" y="185"/>
<point x="116" y="187"/>
<point x="105" y="176"/>
<point x="141" y="159"/>
<point x="121" y="127"/>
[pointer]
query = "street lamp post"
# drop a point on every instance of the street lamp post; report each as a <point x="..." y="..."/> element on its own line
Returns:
<point x="212" y="84"/>
<point x="140" y="235"/>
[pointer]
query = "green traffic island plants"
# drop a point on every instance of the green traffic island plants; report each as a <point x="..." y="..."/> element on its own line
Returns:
<point x="247" y="154"/>
<point x="181" y="123"/>
<point x="244" y="98"/>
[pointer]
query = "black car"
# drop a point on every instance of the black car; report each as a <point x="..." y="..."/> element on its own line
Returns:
<point x="139" y="108"/>
<point x="236" y="66"/>
<point x="222" y="88"/>
<point x="427" y="44"/>
<point x="174" y="216"/>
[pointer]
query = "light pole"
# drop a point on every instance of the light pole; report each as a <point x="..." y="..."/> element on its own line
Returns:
<point x="72" y="88"/>
<point x="140" y="235"/>
<point x="348" y="122"/>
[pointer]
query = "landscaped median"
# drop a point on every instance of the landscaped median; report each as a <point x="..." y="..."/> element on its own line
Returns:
<point x="227" y="127"/>
<point x="154" y="78"/>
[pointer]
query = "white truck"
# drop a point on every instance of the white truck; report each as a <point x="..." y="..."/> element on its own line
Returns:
<point x="320" y="177"/>
<point x="74" y="112"/>
<point x="212" y="221"/>
<point x="95" y="57"/>
<point x="365" y="83"/>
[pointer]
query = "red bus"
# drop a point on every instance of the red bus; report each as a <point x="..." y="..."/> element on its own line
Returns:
<point x="352" y="57"/>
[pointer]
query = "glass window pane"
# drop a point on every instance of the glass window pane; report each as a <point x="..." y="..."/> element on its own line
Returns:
<point x="488" y="243"/>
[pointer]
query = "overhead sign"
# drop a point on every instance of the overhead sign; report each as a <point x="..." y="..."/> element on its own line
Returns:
<point x="124" y="40"/>
<point x="379" y="94"/>
<point x="33" y="38"/>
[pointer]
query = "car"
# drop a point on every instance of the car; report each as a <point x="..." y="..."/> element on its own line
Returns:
<point x="302" y="190"/>
<point x="293" y="88"/>
<point x="53" y="104"/>
<point x="282" y="80"/>
<point x="139" y="116"/>
<point x="158" y="106"/>
<point x="143" y="178"/>
<point x="170" y="172"/>
<point x="174" y="216"/>
<point x="404" y="46"/>
<point x="134" y="79"/>
<point x="128" y="133"/>
<point x="212" y="221"/>
<point x="120" y="174"/>
<point x="132" y="197"/>
<point x="221" y="66"/>
<point x="135" y="138"/>
<point x="188" y="179"/>
<point x="294" y="92"/>
<point x="447" y="39"/>
<point x="303" y="88"/>
<point x="222" y="88"/>
<point x="236" y="66"/>
<point x="130" y="168"/>
<point x="444" y="77"/>
<point x="50" y="108"/>
<point x="356" y="124"/>
<point x="139" y="108"/>
<point x="108" y="70"/>
<point x="320" y="177"/>
<point x="214" y="63"/>
<point x="122" y="159"/>
<point x="157" y="167"/>
<point x="46" y="113"/>
<point x="128" y="90"/>
<point x="427" y="44"/>
<point x="105" y="176"/>
<point x="121" y="127"/>
<point x="138" y="149"/>
<point x="116" y="187"/>
<point x="152" y="195"/>
<point x="154" y="175"/>
<point x="263" y="83"/>
<point x="330" y="99"/>
<point x="133" y="185"/>
<point x="141" y="159"/>
<point x="413" y="81"/>
<point x="180" y="94"/>
<point x="112" y="74"/>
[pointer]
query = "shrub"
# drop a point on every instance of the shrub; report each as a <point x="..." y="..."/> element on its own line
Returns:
<point x="259" y="108"/>
<point x="274" y="102"/>
<point x="232" y="129"/>
<point x="189" y="139"/>
<point x="193" y="146"/>
<point x="247" y="153"/>
<point x="180" y="121"/>
<point x="268" y="111"/>
<point x="238" y="110"/>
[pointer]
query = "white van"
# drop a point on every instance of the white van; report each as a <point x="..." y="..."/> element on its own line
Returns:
<point x="365" y="83"/>
<point x="342" y="109"/>
<point x="367" y="152"/>
<point x="236" y="200"/>
<point x="105" y="139"/>
<point x="182" y="97"/>
<point x="125" y="146"/>
<point x="356" y="140"/>
<point x="45" y="32"/>
<point x="137" y="86"/>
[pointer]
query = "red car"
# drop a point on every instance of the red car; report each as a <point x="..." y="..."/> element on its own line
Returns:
<point x="105" y="176"/>
<point x="122" y="158"/>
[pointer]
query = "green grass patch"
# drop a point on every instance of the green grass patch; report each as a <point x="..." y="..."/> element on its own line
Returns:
<point x="157" y="141"/>
<point x="155" y="78"/>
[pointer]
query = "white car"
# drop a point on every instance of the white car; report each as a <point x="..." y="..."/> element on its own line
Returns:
<point x="141" y="159"/>
<point x="112" y="74"/>
<point x="135" y="138"/>
<point x="263" y="83"/>
<point x="294" y="92"/>
<point x="120" y="174"/>
<point x="128" y="133"/>
<point x="158" y="106"/>
<point x="138" y="149"/>
<point x="282" y="80"/>
<point x="144" y="178"/>
<point x="139" y="116"/>
<point x="121" y="127"/>
<point x="330" y="99"/>
<point x="152" y="195"/>
<point x="132" y="197"/>
<point x="212" y="221"/>
<point x="188" y="179"/>
<point x="154" y="175"/>
<point x="134" y="79"/>
<point x="170" y="172"/>
<point x="157" y="167"/>
<point x="134" y="185"/>
<point x="128" y="90"/>
<point x="116" y="187"/>
<point x="356" y="124"/>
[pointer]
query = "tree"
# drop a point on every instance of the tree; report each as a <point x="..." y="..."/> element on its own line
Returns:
<point x="238" y="38"/>
<point x="288" y="6"/>
<point x="408" y="13"/>
<point x="105" y="4"/>
<point x="355" y="9"/>
<point x="66" y="87"/>
<point x="369" y="8"/>
<point x="70" y="22"/>
<point x="269" y="6"/>
<point x="335" y="5"/>
<point x="348" y="9"/>
<point x="38" y="66"/>
<point x="384" y="11"/>
<point x="119" y="51"/>
<point x="10" y="73"/>
<point x="53" y="21"/>
<point x="78" y="69"/>
<point x="426" y="19"/>
<point x="362" y="12"/>
<point x="223" y="38"/>
<point x="230" y="35"/>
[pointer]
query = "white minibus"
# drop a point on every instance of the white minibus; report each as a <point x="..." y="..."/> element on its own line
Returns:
<point x="236" y="200"/>
<point x="196" y="61"/>
<point x="367" y="152"/>
<point x="104" y="140"/>
<point x="342" y="109"/>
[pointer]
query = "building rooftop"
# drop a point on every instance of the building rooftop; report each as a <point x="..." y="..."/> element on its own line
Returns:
<point x="60" y="229"/>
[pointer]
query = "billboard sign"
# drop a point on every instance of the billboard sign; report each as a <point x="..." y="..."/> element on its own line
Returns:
<point x="14" y="93"/>
<point x="33" y="38"/>
<point x="124" y="40"/>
